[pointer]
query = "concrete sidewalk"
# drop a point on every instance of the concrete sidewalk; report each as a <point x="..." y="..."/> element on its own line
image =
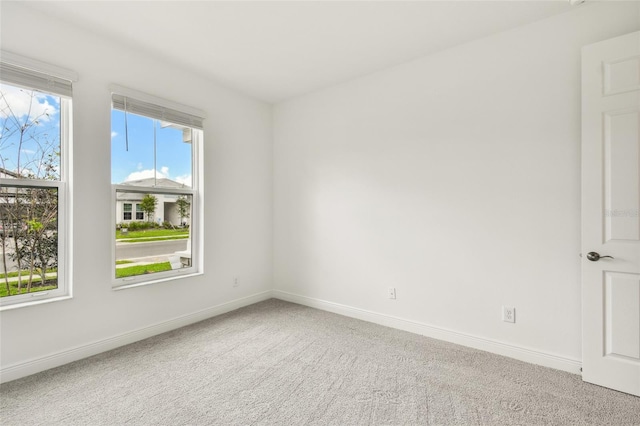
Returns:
<point x="134" y="262"/>
<point x="148" y="260"/>
<point x="25" y="277"/>
<point x="143" y="239"/>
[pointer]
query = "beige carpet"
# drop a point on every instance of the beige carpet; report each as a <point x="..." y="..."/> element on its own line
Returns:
<point x="278" y="363"/>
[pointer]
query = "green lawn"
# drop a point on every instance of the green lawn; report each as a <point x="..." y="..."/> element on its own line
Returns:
<point x="120" y="273"/>
<point x="142" y="269"/>
<point x="153" y="233"/>
<point x="14" y="288"/>
<point x="149" y="240"/>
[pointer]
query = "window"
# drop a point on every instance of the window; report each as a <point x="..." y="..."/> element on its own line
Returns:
<point x="127" y="211"/>
<point x="35" y="115"/>
<point x="155" y="146"/>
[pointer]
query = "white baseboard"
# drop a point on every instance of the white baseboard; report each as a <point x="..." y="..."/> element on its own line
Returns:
<point x="523" y="354"/>
<point x="26" y="368"/>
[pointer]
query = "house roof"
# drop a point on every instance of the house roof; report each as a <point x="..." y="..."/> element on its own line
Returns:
<point x="9" y="174"/>
<point x="156" y="182"/>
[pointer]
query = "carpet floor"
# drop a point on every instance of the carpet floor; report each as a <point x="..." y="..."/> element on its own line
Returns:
<point x="278" y="363"/>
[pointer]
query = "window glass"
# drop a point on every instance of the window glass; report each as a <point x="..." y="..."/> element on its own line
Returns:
<point x="30" y="134"/>
<point x="135" y="160"/>
<point x="152" y="168"/>
<point x="127" y="211"/>
<point x="31" y="193"/>
<point x="162" y="243"/>
<point x="29" y="239"/>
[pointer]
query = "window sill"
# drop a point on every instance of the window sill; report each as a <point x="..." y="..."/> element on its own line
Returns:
<point x="119" y="286"/>
<point x="29" y="303"/>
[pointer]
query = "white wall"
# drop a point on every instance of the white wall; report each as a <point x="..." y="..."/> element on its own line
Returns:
<point x="454" y="178"/>
<point x="238" y="223"/>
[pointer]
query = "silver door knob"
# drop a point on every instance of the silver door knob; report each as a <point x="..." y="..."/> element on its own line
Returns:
<point x="594" y="257"/>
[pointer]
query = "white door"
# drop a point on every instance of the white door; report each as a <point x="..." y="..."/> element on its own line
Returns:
<point x="610" y="219"/>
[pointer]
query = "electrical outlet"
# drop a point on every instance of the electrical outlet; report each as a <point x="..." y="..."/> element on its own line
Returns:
<point x="392" y="292"/>
<point x="508" y="314"/>
<point x="235" y="282"/>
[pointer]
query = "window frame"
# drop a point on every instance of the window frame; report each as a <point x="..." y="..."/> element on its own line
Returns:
<point x="196" y="192"/>
<point x="64" y="188"/>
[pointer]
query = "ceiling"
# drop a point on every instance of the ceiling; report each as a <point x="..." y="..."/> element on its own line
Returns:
<point x="275" y="50"/>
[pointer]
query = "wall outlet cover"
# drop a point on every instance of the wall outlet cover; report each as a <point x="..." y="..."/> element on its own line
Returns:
<point x="508" y="314"/>
<point x="392" y="292"/>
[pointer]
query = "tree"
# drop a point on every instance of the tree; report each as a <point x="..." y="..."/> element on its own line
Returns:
<point x="184" y="208"/>
<point x="148" y="205"/>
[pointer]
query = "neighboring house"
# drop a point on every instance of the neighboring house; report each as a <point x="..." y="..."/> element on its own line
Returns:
<point x="129" y="209"/>
<point x="8" y="174"/>
<point x="10" y="219"/>
<point x="7" y="198"/>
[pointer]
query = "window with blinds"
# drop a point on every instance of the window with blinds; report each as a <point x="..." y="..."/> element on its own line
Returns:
<point x="155" y="147"/>
<point x="35" y="111"/>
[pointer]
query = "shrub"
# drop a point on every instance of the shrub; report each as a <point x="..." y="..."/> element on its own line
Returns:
<point x="133" y="226"/>
<point x="139" y="226"/>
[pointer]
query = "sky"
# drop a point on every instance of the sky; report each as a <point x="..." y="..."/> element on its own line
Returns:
<point x="172" y="159"/>
<point x="39" y="114"/>
<point x="19" y="106"/>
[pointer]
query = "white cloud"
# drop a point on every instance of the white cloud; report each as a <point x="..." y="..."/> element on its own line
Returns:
<point x="22" y="102"/>
<point x="159" y="174"/>
<point x="184" y="179"/>
<point x="114" y="134"/>
<point x="145" y="174"/>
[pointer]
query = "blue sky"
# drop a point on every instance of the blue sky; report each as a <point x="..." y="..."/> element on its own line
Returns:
<point x="42" y="114"/>
<point x="173" y="157"/>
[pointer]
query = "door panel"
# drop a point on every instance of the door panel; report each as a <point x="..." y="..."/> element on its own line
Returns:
<point x="610" y="213"/>
<point x="621" y="179"/>
<point x="622" y="75"/>
<point x="622" y="315"/>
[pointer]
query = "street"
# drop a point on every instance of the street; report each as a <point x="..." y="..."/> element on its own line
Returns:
<point x="124" y="251"/>
<point x="155" y="248"/>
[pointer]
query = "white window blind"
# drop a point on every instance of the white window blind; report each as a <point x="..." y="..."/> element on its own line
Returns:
<point x="31" y="74"/>
<point x="159" y="109"/>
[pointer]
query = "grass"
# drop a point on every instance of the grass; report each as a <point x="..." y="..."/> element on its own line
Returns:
<point x="14" y="288"/>
<point x="130" y="271"/>
<point x="149" y="240"/>
<point x="142" y="269"/>
<point x="150" y="233"/>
